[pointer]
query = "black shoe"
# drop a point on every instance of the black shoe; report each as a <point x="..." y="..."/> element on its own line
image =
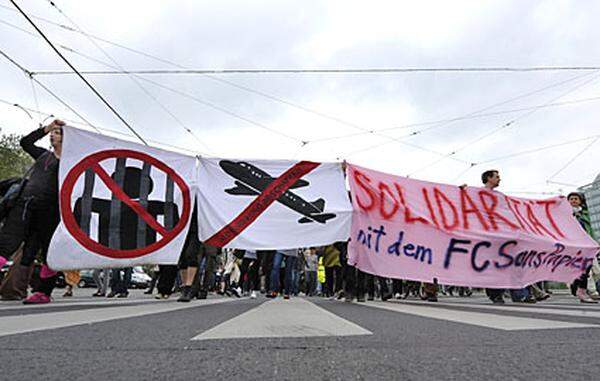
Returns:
<point x="386" y="297"/>
<point x="148" y="292"/>
<point x="371" y="298"/>
<point x="202" y="294"/>
<point x="111" y="294"/>
<point x="432" y="298"/>
<point x="498" y="300"/>
<point x="98" y="293"/>
<point x="360" y="299"/>
<point x="185" y="295"/>
<point x="122" y="294"/>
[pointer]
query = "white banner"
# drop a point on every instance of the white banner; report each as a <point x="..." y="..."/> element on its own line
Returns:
<point x="122" y="204"/>
<point x="272" y="204"/>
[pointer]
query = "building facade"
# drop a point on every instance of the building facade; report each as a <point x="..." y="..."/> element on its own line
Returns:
<point x="592" y="196"/>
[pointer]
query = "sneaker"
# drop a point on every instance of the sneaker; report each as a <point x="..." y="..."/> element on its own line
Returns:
<point x="271" y="295"/>
<point x="98" y="293"/>
<point x="237" y="292"/>
<point x="37" y="298"/>
<point x="185" y="295"/>
<point x="397" y="295"/>
<point x="544" y="297"/>
<point x="253" y="295"/>
<point x="111" y="294"/>
<point x="162" y="296"/>
<point x="386" y="297"/>
<point x="286" y="296"/>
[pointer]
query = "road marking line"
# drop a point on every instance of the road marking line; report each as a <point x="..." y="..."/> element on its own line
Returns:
<point x="548" y="311"/>
<point x="11" y="325"/>
<point x="284" y="318"/>
<point x="487" y="320"/>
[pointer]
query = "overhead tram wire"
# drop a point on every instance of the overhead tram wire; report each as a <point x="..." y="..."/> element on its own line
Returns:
<point x="539" y="149"/>
<point x="274" y="98"/>
<point x="329" y="71"/>
<point x="214" y="78"/>
<point x="303" y="143"/>
<point x="594" y="76"/>
<point x="110" y="107"/>
<point x="144" y="90"/>
<point x="29" y="110"/>
<point x="28" y="73"/>
<point x="577" y="155"/>
<point x="189" y="96"/>
<point x="474" y="114"/>
<point x="358" y="70"/>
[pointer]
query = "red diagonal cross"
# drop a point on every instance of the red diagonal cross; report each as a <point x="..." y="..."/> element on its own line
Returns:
<point x="271" y="193"/>
<point x="121" y="195"/>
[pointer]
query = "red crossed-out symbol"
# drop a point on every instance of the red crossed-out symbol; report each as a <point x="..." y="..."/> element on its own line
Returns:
<point x="271" y="193"/>
<point x="93" y="162"/>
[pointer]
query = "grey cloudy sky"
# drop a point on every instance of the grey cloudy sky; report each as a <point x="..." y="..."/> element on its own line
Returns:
<point x="332" y="112"/>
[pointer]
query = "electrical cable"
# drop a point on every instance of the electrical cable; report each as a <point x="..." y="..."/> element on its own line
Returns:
<point x="144" y="90"/>
<point x="578" y="154"/>
<point x="89" y="85"/>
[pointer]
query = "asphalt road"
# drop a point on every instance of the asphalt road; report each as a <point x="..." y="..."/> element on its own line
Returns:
<point x="302" y="339"/>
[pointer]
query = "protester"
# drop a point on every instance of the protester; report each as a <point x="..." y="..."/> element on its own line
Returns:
<point x="102" y="279"/>
<point x="72" y="278"/>
<point x="311" y="266"/>
<point x="35" y="213"/>
<point x="333" y="271"/>
<point x="189" y="259"/>
<point x="119" y="282"/>
<point x="581" y="213"/>
<point x="491" y="181"/>
<point x="288" y="257"/>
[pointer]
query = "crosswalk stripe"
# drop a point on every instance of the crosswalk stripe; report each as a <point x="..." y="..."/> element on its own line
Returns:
<point x="487" y="320"/>
<point x="17" y="305"/>
<point x="576" y="312"/>
<point x="284" y="318"/>
<point x="11" y="325"/>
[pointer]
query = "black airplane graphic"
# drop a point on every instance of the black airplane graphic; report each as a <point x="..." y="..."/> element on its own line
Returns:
<point x="252" y="181"/>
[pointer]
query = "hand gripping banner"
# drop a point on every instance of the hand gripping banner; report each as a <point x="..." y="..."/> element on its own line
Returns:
<point x="417" y="230"/>
<point x="121" y="203"/>
<point x="269" y="204"/>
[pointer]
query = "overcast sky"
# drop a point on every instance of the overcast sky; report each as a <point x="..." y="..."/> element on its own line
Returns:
<point x="240" y="119"/>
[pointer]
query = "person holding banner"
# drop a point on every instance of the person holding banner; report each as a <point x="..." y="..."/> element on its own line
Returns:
<point x="585" y="287"/>
<point x="34" y="215"/>
<point x="491" y="181"/>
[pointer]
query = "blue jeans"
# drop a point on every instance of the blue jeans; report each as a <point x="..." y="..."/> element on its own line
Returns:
<point x="290" y="264"/>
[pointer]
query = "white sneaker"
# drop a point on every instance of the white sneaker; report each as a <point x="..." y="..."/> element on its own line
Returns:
<point x="253" y="295"/>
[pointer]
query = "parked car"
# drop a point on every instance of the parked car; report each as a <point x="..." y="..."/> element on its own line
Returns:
<point x="87" y="280"/>
<point x="139" y="279"/>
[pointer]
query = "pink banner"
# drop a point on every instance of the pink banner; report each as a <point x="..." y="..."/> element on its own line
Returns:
<point x="417" y="230"/>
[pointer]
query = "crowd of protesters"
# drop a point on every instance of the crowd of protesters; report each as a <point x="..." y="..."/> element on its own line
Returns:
<point x="30" y="214"/>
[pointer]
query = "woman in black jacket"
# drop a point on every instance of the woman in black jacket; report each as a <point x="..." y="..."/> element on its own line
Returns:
<point x="35" y="215"/>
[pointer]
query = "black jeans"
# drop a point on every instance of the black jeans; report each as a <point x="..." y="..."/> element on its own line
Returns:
<point x="333" y="279"/>
<point x="119" y="280"/>
<point x="355" y="282"/>
<point x="371" y="285"/>
<point x="33" y="223"/>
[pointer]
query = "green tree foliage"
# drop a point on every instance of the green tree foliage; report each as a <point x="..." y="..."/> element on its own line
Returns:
<point x="14" y="162"/>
